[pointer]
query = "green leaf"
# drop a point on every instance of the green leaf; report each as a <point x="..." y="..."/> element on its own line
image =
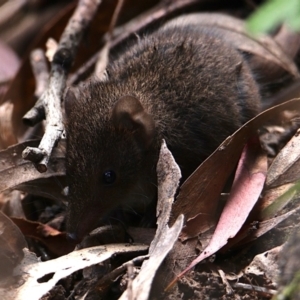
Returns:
<point x="279" y="203"/>
<point x="295" y="22"/>
<point x="273" y="13"/>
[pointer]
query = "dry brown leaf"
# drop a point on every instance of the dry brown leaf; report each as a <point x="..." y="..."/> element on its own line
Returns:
<point x="32" y="271"/>
<point x="285" y="168"/>
<point x="17" y="173"/>
<point x="251" y="232"/>
<point x="6" y="126"/>
<point x="267" y="225"/>
<point x="142" y="284"/>
<point x="10" y="204"/>
<point x="289" y="192"/>
<point x="168" y="180"/>
<point x="270" y="195"/>
<point x="247" y="186"/>
<point x="12" y="243"/>
<point x="168" y="176"/>
<point x="266" y="264"/>
<point x="54" y="240"/>
<point x="199" y="194"/>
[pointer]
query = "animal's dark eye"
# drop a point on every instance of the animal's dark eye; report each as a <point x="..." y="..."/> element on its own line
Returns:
<point x="109" y="177"/>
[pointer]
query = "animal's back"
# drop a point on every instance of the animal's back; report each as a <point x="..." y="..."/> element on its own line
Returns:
<point x="198" y="88"/>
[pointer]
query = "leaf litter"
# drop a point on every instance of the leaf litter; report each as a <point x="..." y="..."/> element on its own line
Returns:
<point x="198" y="198"/>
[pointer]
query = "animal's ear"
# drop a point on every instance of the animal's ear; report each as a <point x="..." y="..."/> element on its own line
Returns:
<point x="128" y="113"/>
<point x="70" y="98"/>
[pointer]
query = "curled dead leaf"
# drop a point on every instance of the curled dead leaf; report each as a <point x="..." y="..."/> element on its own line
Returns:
<point x="17" y="173"/>
<point x="12" y="243"/>
<point x="247" y="186"/>
<point x="285" y="168"/>
<point x="198" y="198"/>
<point x="54" y="240"/>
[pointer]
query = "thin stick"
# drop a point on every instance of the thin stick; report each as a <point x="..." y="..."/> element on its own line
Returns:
<point x="41" y="75"/>
<point x="157" y="13"/>
<point x="255" y="288"/>
<point x="40" y="71"/>
<point x="61" y="64"/>
<point x="121" y="269"/>
<point x="130" y="276"/>
<point x="102" y="62"/>
<point x="229" y="289"/>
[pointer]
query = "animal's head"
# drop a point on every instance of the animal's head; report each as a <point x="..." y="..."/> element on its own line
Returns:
<point x="111" y="160"/>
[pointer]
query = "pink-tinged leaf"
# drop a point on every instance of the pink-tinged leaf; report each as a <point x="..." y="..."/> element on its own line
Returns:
<point x="198" y="199"/>
<point x="247" y="186"/>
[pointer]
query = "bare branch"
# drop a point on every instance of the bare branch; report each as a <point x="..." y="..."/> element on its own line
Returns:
<point x="40" y="71"/>
<point x="104" y="52"/>
<point x="250" y="287"/>
<point x="60" y="66"/>
<point x="121" y="269"/>
<point x="41" y="75"/>
<point x="159" y="12"/>
<point x="229" y="290"/>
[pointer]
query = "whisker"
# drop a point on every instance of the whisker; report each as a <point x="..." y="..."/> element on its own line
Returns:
<point x="43" y="192"/>
<point x="59" y="184"/>
<point x="129" y="208"/>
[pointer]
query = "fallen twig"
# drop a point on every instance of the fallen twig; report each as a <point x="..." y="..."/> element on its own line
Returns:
<point x="229" y="290"/>
<point x="255" y="288"/>
<point x="60" y="66"/>
<point x="41" y="75"/>
<point x="104" y="52"/>
<point x="119" y="34"/>
<point x="106" y="279"/>
<point x="40" y="71"/>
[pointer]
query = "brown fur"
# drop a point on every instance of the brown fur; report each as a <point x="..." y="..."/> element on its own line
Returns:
<point x="190" y="88"/>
